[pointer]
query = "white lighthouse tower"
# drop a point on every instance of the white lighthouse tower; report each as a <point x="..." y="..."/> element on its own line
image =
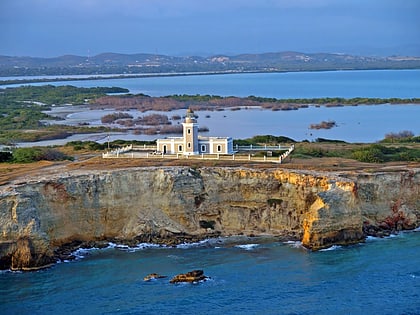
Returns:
<point x="190" y="134"/>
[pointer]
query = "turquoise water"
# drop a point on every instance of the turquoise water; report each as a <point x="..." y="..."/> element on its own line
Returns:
<point x="381" y="276"/>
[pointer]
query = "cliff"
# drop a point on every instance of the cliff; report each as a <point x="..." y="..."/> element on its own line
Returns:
<point x="173" y="204"/>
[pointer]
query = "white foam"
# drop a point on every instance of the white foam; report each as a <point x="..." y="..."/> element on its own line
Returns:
<point x="334" y="247"/>
<point x="294" y="244"/>
<point x="140" y="246"/>
<point x="247" y="246"/>
<point x="196" y="244"/>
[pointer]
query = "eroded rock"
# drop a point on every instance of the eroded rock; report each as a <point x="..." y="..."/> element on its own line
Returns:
<point x="191" y="277"/>
<point x="173" y="205"/>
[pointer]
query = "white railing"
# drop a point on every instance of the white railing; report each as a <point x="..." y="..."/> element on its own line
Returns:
<point x="260" y="147"/>
<point x="117" y="152"/>
<point x="148" y="147"/>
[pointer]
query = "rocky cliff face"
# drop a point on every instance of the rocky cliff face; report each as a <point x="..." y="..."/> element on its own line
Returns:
<point x="181" y="203"/>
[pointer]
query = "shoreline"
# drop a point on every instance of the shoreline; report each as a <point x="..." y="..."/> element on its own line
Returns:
<point x="74" y="252"/>
<point x="204" y="202"/>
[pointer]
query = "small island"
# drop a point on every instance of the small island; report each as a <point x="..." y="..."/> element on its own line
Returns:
<point x="324" y="125"/>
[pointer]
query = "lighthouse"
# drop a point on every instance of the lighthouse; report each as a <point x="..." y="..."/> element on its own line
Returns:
<point x="191" y="143"/>
<point x="190" y="132"/>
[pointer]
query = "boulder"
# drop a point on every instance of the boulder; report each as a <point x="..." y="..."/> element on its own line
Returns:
<point x="191" y="276"/>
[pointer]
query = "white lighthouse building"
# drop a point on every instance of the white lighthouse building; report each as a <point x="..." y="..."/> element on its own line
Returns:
<point x="191" y="143"/>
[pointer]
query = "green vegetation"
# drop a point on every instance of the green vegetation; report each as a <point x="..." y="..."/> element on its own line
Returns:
<point x="263" y="140"/>
<point x="21" y="111"/>
<point x="50" y="94"/>
<point x="373" y="153"/>
<point x="95" y="146"/>
<point x="28" y="155"/>
<point x="401" y="137"/>
<point x="376" y="153"/>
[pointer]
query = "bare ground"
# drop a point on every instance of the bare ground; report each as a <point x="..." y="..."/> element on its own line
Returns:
<point x="10" y="173"/>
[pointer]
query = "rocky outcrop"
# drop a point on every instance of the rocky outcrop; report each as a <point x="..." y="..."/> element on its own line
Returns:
<point x="177" y="204"/>
<point x="191" y="277"/>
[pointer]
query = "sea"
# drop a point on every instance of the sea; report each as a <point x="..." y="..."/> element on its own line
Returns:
<point x="246" y="275"/>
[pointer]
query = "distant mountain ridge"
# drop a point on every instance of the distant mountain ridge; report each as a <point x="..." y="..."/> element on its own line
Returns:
<point x="113" y="63"/>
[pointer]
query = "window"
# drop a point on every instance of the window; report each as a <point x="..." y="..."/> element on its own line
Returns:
<point x="203" y="148"/>
<point x="188" y="130"/>
<point x="189" y="145"/>
<point x="219" y="148"/>
<point x="180" y="148"/>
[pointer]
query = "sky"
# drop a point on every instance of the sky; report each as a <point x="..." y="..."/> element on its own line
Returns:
<point x="49" y="28"/>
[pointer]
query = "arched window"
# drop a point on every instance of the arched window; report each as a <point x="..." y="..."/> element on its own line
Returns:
<point x="188" y="130"/>
<point x="180" y="148"/>
<point x="203" y="148"/>
<point x="219" y="148"/>
<point x="189" y="145"/>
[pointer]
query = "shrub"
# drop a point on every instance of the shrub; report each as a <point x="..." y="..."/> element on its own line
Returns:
<point x="370" y="154"/>
<point x="5" y="156"/>
<point x="28" y="155"/>
<point x="110" y="118"/>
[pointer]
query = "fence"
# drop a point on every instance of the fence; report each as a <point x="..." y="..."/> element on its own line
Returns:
<point x="117" y="152"/>
<point x="127" y="152"/>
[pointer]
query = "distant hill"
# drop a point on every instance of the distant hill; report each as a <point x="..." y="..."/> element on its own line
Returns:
<point x="113" y="63"/>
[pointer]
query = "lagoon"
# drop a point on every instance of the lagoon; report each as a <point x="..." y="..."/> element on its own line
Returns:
<point x="317" y="84"/>
<point x="355" y="124"/>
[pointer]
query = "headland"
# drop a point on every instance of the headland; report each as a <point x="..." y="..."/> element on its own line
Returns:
<point x="55" y="208"/>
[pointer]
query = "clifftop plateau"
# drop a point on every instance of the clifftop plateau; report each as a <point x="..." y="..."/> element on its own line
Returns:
<point x="42" y="217"/>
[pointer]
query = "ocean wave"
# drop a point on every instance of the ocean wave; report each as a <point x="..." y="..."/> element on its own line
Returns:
<point x="205" y="242"/>
<point x="247" y="246"/>
<point x="81" y="253"/>
<point x="370" y="238"/>
<point x="138" y="247"/>
<point x="334" y="247"/>
<point x="294" y="244"/>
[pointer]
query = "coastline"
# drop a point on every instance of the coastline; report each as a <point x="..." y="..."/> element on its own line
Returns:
<point x="89" y="208"/>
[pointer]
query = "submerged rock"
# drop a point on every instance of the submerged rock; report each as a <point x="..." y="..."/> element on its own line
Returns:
<point x="191" y="276"/>
<point x="153" y="276"/>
